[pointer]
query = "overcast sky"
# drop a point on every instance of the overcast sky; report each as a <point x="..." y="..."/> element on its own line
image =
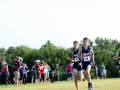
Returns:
<point x="33" y="22"/>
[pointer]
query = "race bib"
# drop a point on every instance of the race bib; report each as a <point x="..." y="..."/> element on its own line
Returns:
<point x="76" y="59"/>
<point x="87" y="58"/>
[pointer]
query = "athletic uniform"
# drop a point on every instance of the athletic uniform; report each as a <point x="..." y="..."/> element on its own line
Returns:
<point x="76" y="60"/>
<point x="86" y="62"/>
<point x="87" y="59"/>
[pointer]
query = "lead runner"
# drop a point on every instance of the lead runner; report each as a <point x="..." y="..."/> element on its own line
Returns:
<point x="86" y="51"/>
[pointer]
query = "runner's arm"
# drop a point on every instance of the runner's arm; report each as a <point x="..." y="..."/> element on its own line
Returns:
<point x="79" y="53"/>
<point x="92" y="54"/>
<point x="71" y="59"/>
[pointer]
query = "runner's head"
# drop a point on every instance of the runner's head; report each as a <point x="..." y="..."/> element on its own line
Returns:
<point x="86" y="41"/>
<point x="75" y="44"/>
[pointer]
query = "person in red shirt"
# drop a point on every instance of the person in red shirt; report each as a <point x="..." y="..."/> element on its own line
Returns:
<point x="12" y="74"/>
<point x="4" y="72"/>
<point x="37" y="67"/>
<point x="42" y="71"/>
<point x="16" y="70"/>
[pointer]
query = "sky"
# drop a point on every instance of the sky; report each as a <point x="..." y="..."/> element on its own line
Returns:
<point x="33" y="22"/>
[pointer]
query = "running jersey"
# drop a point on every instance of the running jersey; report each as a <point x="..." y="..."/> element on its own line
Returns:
<point x="86" y="52"/>
<point x="76" y="60"/>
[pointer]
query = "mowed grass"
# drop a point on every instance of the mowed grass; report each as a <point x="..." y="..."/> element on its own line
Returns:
<point x="99" y="84"/>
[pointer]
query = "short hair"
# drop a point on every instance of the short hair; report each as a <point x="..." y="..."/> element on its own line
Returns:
<point x="86" y="38"/>
<point x="75" y="42"/>
<point x="42" y="62"/>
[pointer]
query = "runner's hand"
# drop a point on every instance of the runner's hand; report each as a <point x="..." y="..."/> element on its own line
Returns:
<point x="83" y="56"/>
<point x="79" y="64"/>
<point x="93" y="63"/>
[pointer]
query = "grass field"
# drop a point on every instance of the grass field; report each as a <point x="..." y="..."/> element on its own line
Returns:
<point x="109" y="84"/>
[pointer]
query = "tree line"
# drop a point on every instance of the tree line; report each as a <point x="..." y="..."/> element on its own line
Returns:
<point x="104" y="49"/>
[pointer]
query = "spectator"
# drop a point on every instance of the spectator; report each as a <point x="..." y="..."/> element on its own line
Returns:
<point x="69" y="71"/>
<point x="16" y="70"/>
<point x="22" y="70"/>
<point x="52" y="72"/>
<point x="4" y="72"/>
<point x="102" y="71"/>
<point x="51" y="75"/>
<point x="12" y="74"/>
<point x="34" y="74"/>
<point x="42" y="71"/>
<point x="47" y="69"/>
<point x="37" y="67"/>
<point x="25" y="74"/>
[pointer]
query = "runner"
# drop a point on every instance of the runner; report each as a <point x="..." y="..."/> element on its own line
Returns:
<point x="77" y="68"/>
<point x="86" y="51"/>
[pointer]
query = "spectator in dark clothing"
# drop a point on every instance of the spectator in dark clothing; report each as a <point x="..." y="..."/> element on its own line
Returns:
<point x="5" y="75"/>
<point x="51" y="75"/>
<point x="34" y="75"/>
<point x="26" y="70"/>
<point x="22" y="70"/>
<point x="12" y="74"/>
<point x="52" y="72"/>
